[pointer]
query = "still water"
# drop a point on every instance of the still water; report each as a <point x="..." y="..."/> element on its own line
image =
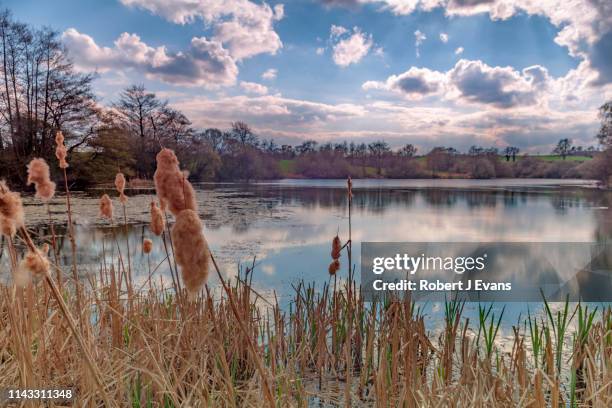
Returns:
<point x="286" y="227"/>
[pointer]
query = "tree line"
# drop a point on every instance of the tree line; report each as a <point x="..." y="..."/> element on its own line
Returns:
<point x="41" y="93"/>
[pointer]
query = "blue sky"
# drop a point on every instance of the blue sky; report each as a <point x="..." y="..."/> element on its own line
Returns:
<point x="487" y="72"/>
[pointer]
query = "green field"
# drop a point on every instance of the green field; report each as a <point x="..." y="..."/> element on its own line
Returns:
<point x="287" y="166"/>
<point x="554" y="157"/>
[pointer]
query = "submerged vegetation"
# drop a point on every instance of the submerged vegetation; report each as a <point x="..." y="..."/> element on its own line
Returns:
<point x="119" y="344"/>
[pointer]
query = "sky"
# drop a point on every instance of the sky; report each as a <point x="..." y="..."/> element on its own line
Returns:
<point x="428" y="72"/>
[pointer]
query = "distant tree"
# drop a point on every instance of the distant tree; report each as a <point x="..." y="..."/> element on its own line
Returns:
<point x="452" y="151"/>
<point x="476" y="151"/>
<point x="407" y="150"/>
<point x="242" y="133"/>
<point x="170" y="127"/>
<point x="341" y="148"/>
<point x="326" y="147"/>
<point x="378" y="150"/>
<point x="603" y="160"/>
<point x="440" y="159"/>
<point x="605" y="131"/>
<point x="287" y="151"/>
<point x="269" y="146"/>
<point x="511" y="152"/>
<point x="307" y="146"/>
<point x="40" y="93"/>
<point x="563" y="147"/>
<point x="214" y="137"/>
<point x="136" y="107"/>
<point x="361" y="155"/>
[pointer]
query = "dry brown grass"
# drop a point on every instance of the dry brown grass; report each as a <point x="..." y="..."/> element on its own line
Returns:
<point x="115" y="346"/>
<point x="163" y="350"/>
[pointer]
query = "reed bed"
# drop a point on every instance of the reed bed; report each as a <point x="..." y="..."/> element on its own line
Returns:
<point x="115" y="345"/>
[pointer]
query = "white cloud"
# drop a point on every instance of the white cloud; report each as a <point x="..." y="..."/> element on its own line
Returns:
<point x="244" y="27"/>
<point x="291" y="121"/>
<point x="337" y="31"/>
<point x="320" y="50"/>
<point x="459" y="50"/>
<point x="205" y="63"/>
<point x="254" y="88"/>
<point x="585" y="26"/>
<point x="444" y="37"/>
<point x="419" y="37"/>
<point x="500" y="87"/>
<point x="349" y="47"/>
<point x="269" y="74"/>
<point x="414" y="84"/>
<point x="269" y="112"/>
<point x="471" y="83"/>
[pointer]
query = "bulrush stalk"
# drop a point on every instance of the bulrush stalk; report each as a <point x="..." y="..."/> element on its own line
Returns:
<point x="39" y="265"/>
<point x="36" y="263"/>
<point x="61" y="153"/>
<point x="147" y="248"/>
<point x="120" y="186"/>
<point x="106" y="211"/>
<point x="157" y="226"/>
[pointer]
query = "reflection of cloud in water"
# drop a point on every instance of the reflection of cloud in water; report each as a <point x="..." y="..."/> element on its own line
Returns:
<point x="289" y="229"/>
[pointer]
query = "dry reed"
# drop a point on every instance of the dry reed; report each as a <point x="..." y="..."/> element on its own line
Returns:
<point x="154" y="349"/>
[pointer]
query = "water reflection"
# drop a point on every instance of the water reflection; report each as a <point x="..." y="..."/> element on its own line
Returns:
<point x="288" y="227"/>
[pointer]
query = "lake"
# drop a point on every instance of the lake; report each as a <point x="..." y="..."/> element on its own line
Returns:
<point x="287" y="226"/>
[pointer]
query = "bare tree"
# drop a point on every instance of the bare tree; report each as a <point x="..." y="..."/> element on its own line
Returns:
<point x="511" y="152"/>
<point x="242" y="133"/>
<point x="605" y="131"/>
<point x="136" y="108"/>
<point x="378" y="150"/>
<point x="40" y="92"/>
<point x="563" y="148"/>
<point x="407" y="151"/>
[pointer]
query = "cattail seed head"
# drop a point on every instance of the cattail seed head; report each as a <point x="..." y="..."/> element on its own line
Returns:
<point x="120" y="185"/>
<point x="11" y="211"/>
<point x="191" y="250"/>
<point x="157" y="219"/>
<point x="60" y="151"/>
<point x="336" y="248"/>
<point x="34" y="263"/>
<point x="147" y="246"/>
<point x="349" y="185"/>
<point x="106" y="207"/>
<point x="173" y="188"/>
<point x="334" y="267"/>
<point x="59" y="138"/>
<point x="39" y="175"/>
